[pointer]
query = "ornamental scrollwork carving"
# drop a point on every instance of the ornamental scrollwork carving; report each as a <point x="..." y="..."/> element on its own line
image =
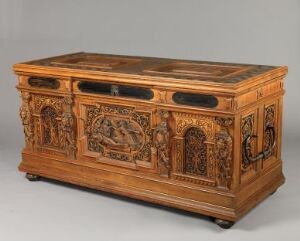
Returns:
<point x="223" y="152"/>
<point x="26" y="117"/>
<point x="161" y="142"/>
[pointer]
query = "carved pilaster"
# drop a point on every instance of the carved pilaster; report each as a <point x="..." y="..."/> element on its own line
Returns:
<point x="27" y="120"/>
<point x="223" y="152"/>
<point x="67" y="128"/>
<point x="161" y="142"/>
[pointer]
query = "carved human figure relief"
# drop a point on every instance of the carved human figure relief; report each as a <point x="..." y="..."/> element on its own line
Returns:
<point x="223" y="152"/>
<point x="67" y="129"/>
<point x="26" y="117"/>
<point x="161" y="141"/>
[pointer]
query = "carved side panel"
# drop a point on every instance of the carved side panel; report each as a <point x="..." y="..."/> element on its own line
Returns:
<point x="247" y="128"/>
<point x="161" y="142"/>
<point x="118" y="132"/>
<point x="27" y="119"/>
<point x="223" y="152"/>
<point x="194" y="159"/>
<point x="269" y="121"/>
<point x="54" y="125"/>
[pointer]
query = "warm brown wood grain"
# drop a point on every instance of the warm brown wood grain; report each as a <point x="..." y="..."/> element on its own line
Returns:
<point x="134" y="138"/>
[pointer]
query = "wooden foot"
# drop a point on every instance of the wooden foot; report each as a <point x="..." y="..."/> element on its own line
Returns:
<point x="32" y="177"/>
<point x="223" y="223"/>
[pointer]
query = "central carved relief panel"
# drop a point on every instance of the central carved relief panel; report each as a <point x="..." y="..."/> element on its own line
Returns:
<point x="118" y="132"/>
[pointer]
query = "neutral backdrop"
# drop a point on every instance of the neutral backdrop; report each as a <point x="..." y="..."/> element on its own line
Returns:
<point x="253" y="31"/>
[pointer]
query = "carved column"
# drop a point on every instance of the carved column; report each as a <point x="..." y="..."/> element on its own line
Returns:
<point x="161" y="143"/>
<point x="223" y="152"/>
<point x="27" y="120"/>
<point x="67" y="129"/>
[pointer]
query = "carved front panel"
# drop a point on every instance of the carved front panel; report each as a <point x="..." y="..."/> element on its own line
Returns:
<point x="54" y="125"/>
<point x="203" y="149"/>
<point x="119" y="133"/>
<point x="194" y="149"/>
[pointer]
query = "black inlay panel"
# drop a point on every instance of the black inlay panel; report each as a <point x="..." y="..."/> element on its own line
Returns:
<point x="116" y="90"/>
<point x="201" y="100"/>
<point x="40" y="82"/>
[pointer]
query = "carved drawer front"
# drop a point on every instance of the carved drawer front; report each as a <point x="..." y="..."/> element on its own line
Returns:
<point x="202" y="149"/>
<point x="115" y="134"/>
<point x="53" y="124"/>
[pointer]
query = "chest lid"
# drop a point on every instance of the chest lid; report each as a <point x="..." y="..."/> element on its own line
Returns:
<point x="188" y="74"/>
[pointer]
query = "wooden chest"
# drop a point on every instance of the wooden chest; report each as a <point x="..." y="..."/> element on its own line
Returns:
<point x="195" y="135"/>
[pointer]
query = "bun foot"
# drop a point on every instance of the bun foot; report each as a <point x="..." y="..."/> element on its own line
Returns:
<point x="32" y="177"/>
<point x="223" y="223"/>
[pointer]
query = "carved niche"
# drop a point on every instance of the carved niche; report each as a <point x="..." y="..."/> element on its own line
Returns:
<point x="26" y="117"/>
<point x="269" y="122"/>
<point x="161" y="142"/>
<point x="118" y="132"/>
<point x="223" y="152"/>
<point x="54" y="125"/>
<point x="194" y="159"/>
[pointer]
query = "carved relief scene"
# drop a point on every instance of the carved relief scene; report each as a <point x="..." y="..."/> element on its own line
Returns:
<point x="119" y="133"/>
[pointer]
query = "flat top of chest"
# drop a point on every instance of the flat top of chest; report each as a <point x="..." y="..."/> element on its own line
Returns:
<point x="158" y="70"/>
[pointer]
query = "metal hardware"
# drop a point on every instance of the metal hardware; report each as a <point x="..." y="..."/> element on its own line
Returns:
<point x="114" y="90"/>
<point x="263" y="154"/>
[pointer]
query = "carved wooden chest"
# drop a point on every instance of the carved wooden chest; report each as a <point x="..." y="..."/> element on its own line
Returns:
<point x="195" y="135"/>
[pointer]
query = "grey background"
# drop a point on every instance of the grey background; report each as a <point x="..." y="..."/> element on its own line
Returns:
<point x="256" y="31"/>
